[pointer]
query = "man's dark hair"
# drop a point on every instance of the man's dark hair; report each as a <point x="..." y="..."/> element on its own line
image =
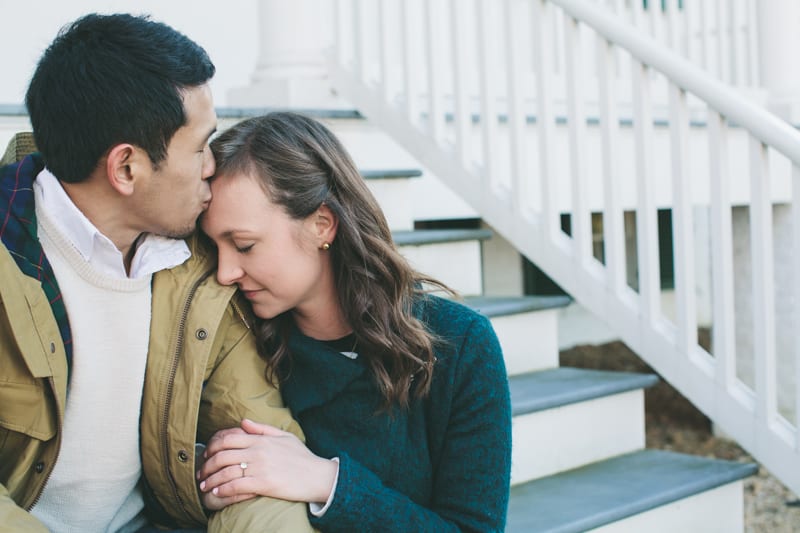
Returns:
<point x="109" y="79"/>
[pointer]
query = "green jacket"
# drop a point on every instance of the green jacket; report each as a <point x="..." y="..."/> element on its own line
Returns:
<point x="203" y="374"/>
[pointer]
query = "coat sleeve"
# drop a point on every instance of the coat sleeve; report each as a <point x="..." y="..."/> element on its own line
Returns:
<point x="472" y="474"/>
<point x="14" y="519"/>
<point x="236" y="388"/>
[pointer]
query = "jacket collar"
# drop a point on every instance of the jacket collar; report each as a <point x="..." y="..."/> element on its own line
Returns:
<point x="18" y="234"/>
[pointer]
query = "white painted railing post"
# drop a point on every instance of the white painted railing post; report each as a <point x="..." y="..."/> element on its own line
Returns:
<point x="778" y="36"/>
<point x="613" y="221"/>
<point x="291" y="68"/>
<point x="576" y="121"/>
<point x="763" y="308"/>
<point x="541" y="25"/>
<point x="682" y="222"/>
<point x="796" y="294"/>
<point x="646" y="215"/>
<point x="723" y="338"/>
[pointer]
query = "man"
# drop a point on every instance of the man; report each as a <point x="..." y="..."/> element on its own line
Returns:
<point x="118" y="348"/>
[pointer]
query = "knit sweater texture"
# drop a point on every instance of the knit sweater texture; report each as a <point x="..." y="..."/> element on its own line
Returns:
<point x="93" y="486"/>
<point x="441" y="465"/>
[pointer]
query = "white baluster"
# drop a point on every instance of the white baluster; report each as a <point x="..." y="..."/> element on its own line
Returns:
<point x="646" y="215"/>
<point x="541" y="24"/>
<point x="682" y="222"/>
<point x="613" y="221"/>
<point x="462" y="112"/>
<point x="516" y="109"/>
<point x="763" y="283"/>
<point x="488" y="118"/>
<point x="431" y="59"/>
<point x="723" y="340"/>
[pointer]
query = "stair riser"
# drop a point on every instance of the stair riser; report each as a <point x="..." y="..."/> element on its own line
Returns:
<point x="394" y="197"/>
<point x="550" y="441"/>
<point x="719" y="510"/>
<point x="457" y="264"/>
<point x="529" y="340"/>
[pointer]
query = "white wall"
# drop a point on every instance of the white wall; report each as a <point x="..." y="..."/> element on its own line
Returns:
<point x="227" y="30"/>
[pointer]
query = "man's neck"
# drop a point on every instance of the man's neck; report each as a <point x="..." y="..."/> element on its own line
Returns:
<point x="103" y="210"/>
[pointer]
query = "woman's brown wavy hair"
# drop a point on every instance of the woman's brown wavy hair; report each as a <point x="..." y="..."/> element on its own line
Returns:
<point x="303" y="165"/>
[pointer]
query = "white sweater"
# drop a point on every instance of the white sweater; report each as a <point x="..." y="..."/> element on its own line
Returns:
<point x="93" y="486"/>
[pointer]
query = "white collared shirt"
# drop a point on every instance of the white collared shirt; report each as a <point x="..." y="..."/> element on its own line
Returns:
<point x="152" y="254"/>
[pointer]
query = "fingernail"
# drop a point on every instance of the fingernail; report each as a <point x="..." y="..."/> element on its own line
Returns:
<point x="203" y="485"/>
<point x="247" y="420"/>
<point x="197" y="474"/>
<point x="214" y="491"/>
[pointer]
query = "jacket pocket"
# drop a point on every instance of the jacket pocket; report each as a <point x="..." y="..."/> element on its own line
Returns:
<point x="25" y="409"/>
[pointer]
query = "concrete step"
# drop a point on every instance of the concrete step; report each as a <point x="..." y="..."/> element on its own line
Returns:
<point x="393" y="190"/>
<point x="452" y="256"/>
<point x="568" y="417"/>
<point x="648" y="490"/>
<point x="527" y="327"/>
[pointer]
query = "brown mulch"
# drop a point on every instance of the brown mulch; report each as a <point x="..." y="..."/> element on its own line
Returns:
<point x="673" y="423"/>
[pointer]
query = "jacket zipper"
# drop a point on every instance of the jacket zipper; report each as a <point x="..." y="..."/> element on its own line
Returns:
<point x="58" y="446"/>
<point x="239" y="312"/>
<point x="170" y="386"/>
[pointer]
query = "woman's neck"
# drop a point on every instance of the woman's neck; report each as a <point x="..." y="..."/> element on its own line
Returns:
<point x="324" y="321"/>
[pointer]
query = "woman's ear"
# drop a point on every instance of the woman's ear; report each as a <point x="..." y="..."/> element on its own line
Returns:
<point x="125" y="163"/>
<point x="325" y="225"/>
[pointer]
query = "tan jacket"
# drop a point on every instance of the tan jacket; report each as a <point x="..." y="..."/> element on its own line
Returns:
<point x="203" y="374"/>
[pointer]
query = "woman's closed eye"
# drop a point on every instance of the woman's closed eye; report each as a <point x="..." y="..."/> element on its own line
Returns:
<point x="243" y="249"/>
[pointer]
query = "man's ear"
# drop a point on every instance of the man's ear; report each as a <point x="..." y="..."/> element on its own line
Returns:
<point x="125" y="163"/>
<point x="325" y="224"/>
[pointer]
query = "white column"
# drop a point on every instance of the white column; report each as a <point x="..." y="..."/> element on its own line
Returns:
<point x="291" y="71"/>
<point x="778" y="43"/>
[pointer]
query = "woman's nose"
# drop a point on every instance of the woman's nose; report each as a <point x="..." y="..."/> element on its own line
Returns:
<point x="228" y="271"/>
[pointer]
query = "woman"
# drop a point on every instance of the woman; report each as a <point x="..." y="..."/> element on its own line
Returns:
<point x="402" y="395"/>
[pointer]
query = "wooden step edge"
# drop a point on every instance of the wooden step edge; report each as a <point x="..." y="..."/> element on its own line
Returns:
<point x="390" y="174"/>
<point x="556" y="387"/>
<point x="607" y="491"/>
<point x="496" y="306"/>
<point x="420" y="237"/>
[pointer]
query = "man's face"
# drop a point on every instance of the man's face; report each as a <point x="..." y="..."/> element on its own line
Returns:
<point x="173" y="196"/>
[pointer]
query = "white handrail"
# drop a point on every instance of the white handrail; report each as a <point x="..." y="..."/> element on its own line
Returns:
<point x="729" y="102"/>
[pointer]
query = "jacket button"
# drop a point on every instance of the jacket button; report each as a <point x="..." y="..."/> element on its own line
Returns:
<point x="39" y="467"/>
<point x="52" y="347"/>
<point x="183" y="456"/>
<point x="201" y="334"/>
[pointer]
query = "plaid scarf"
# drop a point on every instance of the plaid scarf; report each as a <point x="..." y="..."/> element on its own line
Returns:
<point x="18" y="234"/>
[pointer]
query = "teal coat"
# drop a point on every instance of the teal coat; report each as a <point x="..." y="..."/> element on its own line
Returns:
<point x="442" y="465"/>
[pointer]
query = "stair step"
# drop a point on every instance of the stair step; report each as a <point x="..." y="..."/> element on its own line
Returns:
<point x="421" y="237"/>
<point x="618" y="488"/>
<point x="390" y="174"/>
<point x="452" y="256"/>
<point x="537" y="391"/>
<point x="237" y="113"/>
<point x="497" y="306"/>
<point x="521" y="322"/>
<point x="550" y="432"/>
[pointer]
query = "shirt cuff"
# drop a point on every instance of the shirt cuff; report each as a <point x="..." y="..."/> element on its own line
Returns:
<point x="318" y="509"/>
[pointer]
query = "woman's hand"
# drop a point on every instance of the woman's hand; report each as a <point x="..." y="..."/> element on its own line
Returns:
<point x="277" y="465"/>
